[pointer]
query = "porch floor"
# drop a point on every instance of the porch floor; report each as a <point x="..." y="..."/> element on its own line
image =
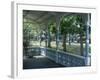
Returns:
<point x="39" y="62"/>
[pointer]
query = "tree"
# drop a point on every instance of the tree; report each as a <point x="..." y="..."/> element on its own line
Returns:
<point x="73" y="24"/>
<point x="81" y="31"/>
<point x="66" y="28"/>
<point x="51" y="30"/>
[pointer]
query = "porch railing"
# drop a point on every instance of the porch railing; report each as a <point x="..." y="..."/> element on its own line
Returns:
<point x="63" y="58"/>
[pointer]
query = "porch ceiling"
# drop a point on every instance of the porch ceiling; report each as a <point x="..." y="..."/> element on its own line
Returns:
<point x="40" y="17"/>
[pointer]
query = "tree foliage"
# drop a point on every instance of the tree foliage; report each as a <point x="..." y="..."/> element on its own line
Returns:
<point x="72" y="24"/>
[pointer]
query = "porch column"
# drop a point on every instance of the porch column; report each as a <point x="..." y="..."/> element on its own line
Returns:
<point x="58" y="17"/>
<point x="87" y="57"/>
<point x="46" y="33"/>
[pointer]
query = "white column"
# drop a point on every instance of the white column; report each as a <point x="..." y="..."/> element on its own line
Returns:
<point x="58" y="17"/>
<point x="87" y="57"/>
